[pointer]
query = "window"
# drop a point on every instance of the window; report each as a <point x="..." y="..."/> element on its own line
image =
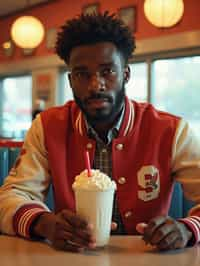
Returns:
<point x="16" y="105"/>
<point x="136" y="88"/>
<point x="65" y="91"/>
<point x="176" y="87"/>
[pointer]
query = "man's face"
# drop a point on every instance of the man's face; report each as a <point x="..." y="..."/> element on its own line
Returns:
<point x="97" y="78"/>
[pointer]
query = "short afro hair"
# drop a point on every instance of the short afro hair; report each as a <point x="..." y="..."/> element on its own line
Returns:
<point x="91" y="29"/>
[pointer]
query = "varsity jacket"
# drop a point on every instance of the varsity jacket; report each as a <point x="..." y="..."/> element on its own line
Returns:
<point x="152" y="150"/>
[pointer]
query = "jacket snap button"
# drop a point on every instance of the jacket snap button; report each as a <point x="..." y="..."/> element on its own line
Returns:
<point x="128" y="214"/>
<point x="120" y="147"/>
<point x="122" y="180"/>
<point x="89" y="146"/>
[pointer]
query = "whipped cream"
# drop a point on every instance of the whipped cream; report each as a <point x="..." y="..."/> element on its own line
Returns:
<point x="98" y="181"/>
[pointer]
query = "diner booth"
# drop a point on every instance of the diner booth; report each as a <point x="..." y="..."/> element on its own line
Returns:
<point x="9" y="151"/>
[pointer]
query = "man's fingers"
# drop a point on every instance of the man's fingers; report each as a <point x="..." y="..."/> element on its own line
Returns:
<point x="86" y="235"/>
<point x="141" y="227"/>
<point x="70" y="246"/>
<point x="168" y="242"/>
<point x="152" y="226"/>
<point x="165" y="233"/>
<point x="70" y="227"/>
<point x="161" y="233"/>
<point x="179" y="243"/>
<point x="76" y="239"/>
<point x="63" y="227"/>
<point x="67" y="245"/>
<point x="75" y="220"/>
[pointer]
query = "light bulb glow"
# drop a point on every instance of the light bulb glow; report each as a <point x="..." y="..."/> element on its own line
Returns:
<point x="6" y="45"/>
<point x="27" y="32"/>
<point x="163" y="13"/>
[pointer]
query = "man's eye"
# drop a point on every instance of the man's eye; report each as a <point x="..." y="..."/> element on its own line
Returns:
<point x="81" y="75"/>
<point x="108" y="71"/>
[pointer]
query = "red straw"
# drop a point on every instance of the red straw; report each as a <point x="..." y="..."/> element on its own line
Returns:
<point x="87" y="163"/>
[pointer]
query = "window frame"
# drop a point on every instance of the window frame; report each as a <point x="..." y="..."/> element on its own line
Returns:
<point x="150" y="58"/>
<point x="2" y="78"/>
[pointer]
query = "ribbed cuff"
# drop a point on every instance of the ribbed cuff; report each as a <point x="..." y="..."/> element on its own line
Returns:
<point x="24" y="217"/>
<point x="193" y="223"/>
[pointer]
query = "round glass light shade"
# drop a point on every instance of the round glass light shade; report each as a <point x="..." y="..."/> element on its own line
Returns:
<point x="163" y="13"/>
<point x="27" y="32"/>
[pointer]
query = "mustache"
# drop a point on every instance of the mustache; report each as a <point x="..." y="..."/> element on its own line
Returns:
<point x="99" y="95"/>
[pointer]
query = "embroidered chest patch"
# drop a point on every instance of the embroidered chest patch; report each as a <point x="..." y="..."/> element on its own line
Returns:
<point x="149" y="182"/>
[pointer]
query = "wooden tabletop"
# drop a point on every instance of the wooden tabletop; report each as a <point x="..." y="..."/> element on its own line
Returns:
<point x="122" y="251"/>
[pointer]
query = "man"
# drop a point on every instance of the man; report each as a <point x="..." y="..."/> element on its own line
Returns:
<point x="142" y="149"/>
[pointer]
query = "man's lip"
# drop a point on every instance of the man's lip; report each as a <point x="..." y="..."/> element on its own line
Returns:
<point x="102" y="102"/>
<point x="98" y="100"/>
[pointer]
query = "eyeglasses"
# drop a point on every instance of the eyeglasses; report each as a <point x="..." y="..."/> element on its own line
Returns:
<point x="83" y="76"/>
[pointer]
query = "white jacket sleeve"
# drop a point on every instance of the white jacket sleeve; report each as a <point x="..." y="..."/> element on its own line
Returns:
<point x="186" y="170"/>
<point x="25" y="188"/>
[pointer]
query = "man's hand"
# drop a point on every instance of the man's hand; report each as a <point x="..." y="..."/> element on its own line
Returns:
<point x="165" y="233"/>
<point x="66" y="231"/>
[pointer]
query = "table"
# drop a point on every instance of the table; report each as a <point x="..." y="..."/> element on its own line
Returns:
<point x="121" y="251"/>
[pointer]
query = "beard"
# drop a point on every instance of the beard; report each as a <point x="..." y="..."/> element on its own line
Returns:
<point x="103" y="115"/>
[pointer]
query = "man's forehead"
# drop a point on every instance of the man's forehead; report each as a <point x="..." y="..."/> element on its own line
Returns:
<point x="102" y="53"/>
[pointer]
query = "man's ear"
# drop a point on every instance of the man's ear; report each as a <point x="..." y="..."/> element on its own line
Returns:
<point x="127" y="73"/>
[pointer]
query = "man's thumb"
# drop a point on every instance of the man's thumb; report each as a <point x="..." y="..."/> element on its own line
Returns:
<point x="141" y="227"/>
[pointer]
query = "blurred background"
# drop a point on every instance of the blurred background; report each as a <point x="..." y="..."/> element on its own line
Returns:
<point x="165" y="68"/>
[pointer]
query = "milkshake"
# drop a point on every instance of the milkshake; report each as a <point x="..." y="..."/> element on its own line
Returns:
<point x="94" y="202"/>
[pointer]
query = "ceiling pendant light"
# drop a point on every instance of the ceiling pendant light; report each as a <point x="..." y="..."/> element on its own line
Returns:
<point x="163" y="13"/>
<point x="27" y="32"/>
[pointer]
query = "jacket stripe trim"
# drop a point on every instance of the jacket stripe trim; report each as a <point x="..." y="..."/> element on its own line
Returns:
<point x="79" y="121"/>
<point x="193" y="222"/>
<point x="133" y="115"/>
<point x="81" y="125"/>
<point x="24" y="217"/>
<point x="130" y="119"/>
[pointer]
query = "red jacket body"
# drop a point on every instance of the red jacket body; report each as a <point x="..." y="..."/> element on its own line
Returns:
<point x="141" y="154"/>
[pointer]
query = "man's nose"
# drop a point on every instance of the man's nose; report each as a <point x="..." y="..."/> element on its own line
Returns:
<point x="97" y="82"/>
